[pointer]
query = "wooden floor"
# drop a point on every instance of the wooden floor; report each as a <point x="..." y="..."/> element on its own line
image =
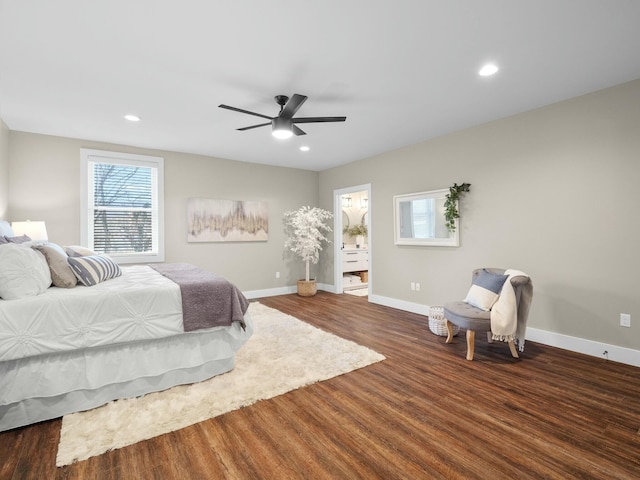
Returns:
<point x="424" y="412"/>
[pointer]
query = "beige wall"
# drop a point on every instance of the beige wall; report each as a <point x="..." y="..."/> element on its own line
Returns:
<point x="4" y="170"/>
<point x="554" y="192"/>
<point x="45" y="185"/>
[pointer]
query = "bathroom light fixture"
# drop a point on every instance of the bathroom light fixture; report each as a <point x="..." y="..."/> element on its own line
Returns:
<point x="346" y="201"/>
<point x="34" y="230"/>
<point x="304" y="148"/>
<point x="132" y="118"/>
<point x="364" y="203"/>
<point x="488" y="70"/>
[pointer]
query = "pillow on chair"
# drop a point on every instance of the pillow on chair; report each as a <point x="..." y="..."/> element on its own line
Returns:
<point x="485" y="290"/>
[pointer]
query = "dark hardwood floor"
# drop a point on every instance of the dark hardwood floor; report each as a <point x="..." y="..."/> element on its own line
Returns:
<point x="424" y="412"/>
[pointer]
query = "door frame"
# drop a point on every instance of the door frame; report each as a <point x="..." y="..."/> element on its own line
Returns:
<point x="337" y="234"/>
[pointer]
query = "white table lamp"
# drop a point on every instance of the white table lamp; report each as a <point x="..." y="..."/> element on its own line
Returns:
<point x="34" y="230"/>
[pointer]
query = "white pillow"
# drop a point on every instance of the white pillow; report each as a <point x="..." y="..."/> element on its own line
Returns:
<point x="24" y="272"/>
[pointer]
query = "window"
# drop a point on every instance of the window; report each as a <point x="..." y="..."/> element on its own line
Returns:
<point x="122" y="205"/>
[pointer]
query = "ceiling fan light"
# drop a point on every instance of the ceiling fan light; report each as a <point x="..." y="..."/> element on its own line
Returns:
<point x="282" y="134"/>
<point x="281" y="128"/>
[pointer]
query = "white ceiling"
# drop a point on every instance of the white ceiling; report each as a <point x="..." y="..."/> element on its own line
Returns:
<point x="402" y="71"/>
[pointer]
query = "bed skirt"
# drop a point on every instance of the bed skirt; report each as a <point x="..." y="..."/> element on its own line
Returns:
<point x="49" y="386"/>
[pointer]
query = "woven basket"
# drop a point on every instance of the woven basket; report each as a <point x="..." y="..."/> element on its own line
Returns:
<point x="307" y="289"/>
<point x="437" y="323"/>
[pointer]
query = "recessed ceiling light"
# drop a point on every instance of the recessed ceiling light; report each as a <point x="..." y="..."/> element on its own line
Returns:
<point x="488" y="70"/>
<point x="132" y="118"/>
<point x="304" y="148"/>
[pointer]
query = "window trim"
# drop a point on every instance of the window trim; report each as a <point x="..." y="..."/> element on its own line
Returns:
<point x="87" y="155"/>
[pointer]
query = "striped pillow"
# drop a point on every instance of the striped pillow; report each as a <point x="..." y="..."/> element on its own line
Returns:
<point x="94" y="269"/>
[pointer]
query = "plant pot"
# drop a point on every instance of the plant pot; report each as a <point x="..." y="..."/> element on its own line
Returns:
<point x="359" y="240"/>
<point x="307" y="289"/>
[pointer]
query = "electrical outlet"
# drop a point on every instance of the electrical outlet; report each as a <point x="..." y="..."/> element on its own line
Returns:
<point x="413" y="286"/>
<point x="277" y="274"/>
<point x="417" y="287"/>
<point x="625" y="320"/>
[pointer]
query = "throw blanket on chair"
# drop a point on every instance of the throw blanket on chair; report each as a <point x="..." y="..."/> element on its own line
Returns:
<point x="508" y="322"/>
<point x="208" y="300"/>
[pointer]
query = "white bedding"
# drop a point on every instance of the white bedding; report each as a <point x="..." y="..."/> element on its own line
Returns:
<point x="139" y="305"/>
<point x="68" y="350"/>
<point x="48" y="386"/>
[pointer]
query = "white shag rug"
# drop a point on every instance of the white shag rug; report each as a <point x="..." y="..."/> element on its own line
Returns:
<point x="283" y="354"/>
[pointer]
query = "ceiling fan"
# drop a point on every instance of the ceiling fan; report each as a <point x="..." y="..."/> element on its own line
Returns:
<point x="283" y="125"/>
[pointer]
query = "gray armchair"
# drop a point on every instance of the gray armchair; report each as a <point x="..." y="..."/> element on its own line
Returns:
<point x="474" y="319"/>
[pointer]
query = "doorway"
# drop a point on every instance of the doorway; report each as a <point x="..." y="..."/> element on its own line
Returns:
<point x="353" y="247"/>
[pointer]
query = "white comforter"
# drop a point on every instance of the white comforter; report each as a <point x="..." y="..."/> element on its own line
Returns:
<point x="139" y="305"/>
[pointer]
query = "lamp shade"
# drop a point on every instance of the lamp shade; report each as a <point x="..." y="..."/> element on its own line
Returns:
<point x="34" y="230"/>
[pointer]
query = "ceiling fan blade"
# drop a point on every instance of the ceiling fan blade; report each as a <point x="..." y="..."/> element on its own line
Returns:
<point x="297" y="131"/>
<point x="253" y="126"/>
<point x="244" y="111"/>
<point x="318" y="119"/>
<point x="293" y="105"/>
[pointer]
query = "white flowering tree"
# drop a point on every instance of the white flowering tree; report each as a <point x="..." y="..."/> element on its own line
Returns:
<point x="305" y="229"/>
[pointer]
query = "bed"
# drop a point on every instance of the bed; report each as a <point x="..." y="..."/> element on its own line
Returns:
<point x="65" y="350"/>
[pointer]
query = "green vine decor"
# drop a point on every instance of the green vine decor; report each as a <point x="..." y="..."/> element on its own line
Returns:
<point x="451" y="204"/>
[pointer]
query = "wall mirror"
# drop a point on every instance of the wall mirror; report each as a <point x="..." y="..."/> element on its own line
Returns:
<point x="419" y="220"/>
<point x="345" y="219"/>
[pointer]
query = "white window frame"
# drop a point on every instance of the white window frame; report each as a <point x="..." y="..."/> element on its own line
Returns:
<point x="86" y="207"/>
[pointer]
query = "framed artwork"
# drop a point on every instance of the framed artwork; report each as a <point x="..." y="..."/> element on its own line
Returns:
<point x="210" y="220"/>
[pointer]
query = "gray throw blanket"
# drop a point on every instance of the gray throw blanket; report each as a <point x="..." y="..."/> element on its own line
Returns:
<point x="208" y="300"/>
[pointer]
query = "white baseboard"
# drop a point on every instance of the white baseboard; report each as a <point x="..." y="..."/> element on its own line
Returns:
<point x="273" y="292"/>
<point x="399" y="304"/>
<point x="327" y="288"/>
<point x="582" y="345"/>
<point x="269" y="292"/>
<point x="574" y="344"/>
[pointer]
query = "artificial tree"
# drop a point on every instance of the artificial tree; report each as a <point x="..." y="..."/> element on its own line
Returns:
<point x="305" y="229"/>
